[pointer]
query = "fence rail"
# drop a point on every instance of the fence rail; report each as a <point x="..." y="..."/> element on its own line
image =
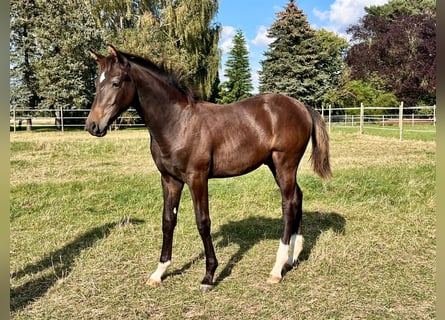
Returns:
<point x="62" y="119"/>
<point x="402" y="119"/>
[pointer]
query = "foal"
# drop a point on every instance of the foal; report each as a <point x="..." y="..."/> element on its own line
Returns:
<point x="192" y="141"/>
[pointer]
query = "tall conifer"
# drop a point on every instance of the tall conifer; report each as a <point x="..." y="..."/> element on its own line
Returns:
<point x="289" y="65"/>
<point x="239" y="83"/>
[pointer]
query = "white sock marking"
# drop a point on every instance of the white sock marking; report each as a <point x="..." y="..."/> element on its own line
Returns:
<point x="175" y="211"/>
<point x="282" y="256"/>
<point x="162" y="267"/>
<point x="290" y="260"/>
<point x="296" y="248"/>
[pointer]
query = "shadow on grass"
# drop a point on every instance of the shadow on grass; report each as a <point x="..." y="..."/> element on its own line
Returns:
<point x="248" y="232"/>
<point x="56" y="265"/>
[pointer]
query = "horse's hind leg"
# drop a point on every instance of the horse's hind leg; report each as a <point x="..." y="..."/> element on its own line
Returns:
<point x="284" y="171"/>
<point x="296" y="240"/>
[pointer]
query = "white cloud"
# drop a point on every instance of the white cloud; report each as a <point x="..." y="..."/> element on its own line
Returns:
<point x="255" y="80"/>
<point x="261" y="39"/>
<point x="344" y="13"/>
<point x="227" y="34"/>
<point x="322" y="15"/>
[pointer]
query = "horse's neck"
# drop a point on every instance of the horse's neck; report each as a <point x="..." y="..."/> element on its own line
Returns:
<point x="160" y="104"/>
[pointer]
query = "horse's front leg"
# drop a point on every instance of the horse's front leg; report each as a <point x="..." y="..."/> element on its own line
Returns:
<point x="199" y="190"/>
<point x="172" y="189"/>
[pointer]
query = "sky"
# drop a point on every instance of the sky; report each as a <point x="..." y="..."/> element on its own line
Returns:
<point x="254" y="17"/>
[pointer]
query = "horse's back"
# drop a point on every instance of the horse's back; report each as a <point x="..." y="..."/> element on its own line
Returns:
<point x="244" y="134"/>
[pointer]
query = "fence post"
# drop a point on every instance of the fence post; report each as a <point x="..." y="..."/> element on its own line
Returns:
<point x="61" y="117"/>
<point x="13" y="116"/>
<point x="362" y="117"/>
<point x="330" y="112"/>
<point x="434" y="115"/>
<point x="401" y="120"/>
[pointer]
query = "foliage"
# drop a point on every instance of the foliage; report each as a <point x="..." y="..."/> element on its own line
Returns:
<point x="239" y="83"/>
<point x="180" y="34"/>
<point x="397" y="42"/>
<point x="330" y="64"/>
<point x="301" y="62"/>
<point x="289" y="65"/>
<point x="23" y="85"/>
<point x="50" y="65"/>
<point x="370" y="92"/>
<point x="190" y="25"/>
<point x="65" y="77"/>
<point x="407" y="7"/>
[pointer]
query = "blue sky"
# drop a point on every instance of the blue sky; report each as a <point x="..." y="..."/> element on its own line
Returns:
<point x="254" y="17"/>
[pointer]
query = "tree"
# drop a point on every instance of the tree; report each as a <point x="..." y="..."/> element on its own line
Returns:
<point x="50" y="66"/>
<point x="180" y="34"/>
<point x="330" y="62"/>
<point x="239" y="83"/>
<point x="371" y="93"/>
<point x="397" y="43"/>
<point x="65" y="70"/>
<point x="301" y="62"/>
<point x="196" y="37"/>
<point x="116" y="16"/>
<point x="23" y="84"/>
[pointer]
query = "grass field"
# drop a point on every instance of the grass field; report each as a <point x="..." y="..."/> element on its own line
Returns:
<point x="85" y="234"/>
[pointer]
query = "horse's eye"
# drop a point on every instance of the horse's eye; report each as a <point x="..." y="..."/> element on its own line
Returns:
<point x="115" y="84"/>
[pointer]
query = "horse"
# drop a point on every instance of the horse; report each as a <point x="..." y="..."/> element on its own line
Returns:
<point x="192" y="141"/>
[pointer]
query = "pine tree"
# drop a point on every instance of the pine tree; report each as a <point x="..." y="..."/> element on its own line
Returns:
<point x="239" y="83"/>
<point x="290" y="63"/>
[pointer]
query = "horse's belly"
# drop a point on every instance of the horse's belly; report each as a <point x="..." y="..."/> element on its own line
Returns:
<point x="237" y="163"/>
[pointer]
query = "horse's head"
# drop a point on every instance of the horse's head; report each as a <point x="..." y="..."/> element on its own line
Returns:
<point x="114" y="91"/>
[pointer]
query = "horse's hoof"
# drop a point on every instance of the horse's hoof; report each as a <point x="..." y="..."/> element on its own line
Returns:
<point x="287" y="267"/>
<point x="153" y="283"/>
<point x="206" y="287"/>
<point x="274" y="279"/>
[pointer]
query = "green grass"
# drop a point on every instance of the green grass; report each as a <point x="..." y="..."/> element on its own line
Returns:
<point x="85" y="218"/>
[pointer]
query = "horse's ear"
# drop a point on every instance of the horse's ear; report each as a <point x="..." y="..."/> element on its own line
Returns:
<point x="118" y="57"/>
<point x="96" y="56"/>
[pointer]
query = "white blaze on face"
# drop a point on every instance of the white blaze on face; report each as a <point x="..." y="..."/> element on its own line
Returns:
<point x="102" y="77"/>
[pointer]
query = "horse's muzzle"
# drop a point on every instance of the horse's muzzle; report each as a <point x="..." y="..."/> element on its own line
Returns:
<point x="94" y="129"/>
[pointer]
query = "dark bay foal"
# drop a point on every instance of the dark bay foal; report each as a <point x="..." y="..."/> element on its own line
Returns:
<point x="192" y="141"/>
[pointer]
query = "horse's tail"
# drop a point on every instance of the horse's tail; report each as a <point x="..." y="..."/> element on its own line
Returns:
<point x="320" y="146"/>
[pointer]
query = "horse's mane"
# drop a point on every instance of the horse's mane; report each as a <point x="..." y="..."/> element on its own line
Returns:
<point x="172" y="77"/>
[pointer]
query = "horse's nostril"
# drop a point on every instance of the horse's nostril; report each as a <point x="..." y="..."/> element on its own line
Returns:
<point x="93" y="126"/>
